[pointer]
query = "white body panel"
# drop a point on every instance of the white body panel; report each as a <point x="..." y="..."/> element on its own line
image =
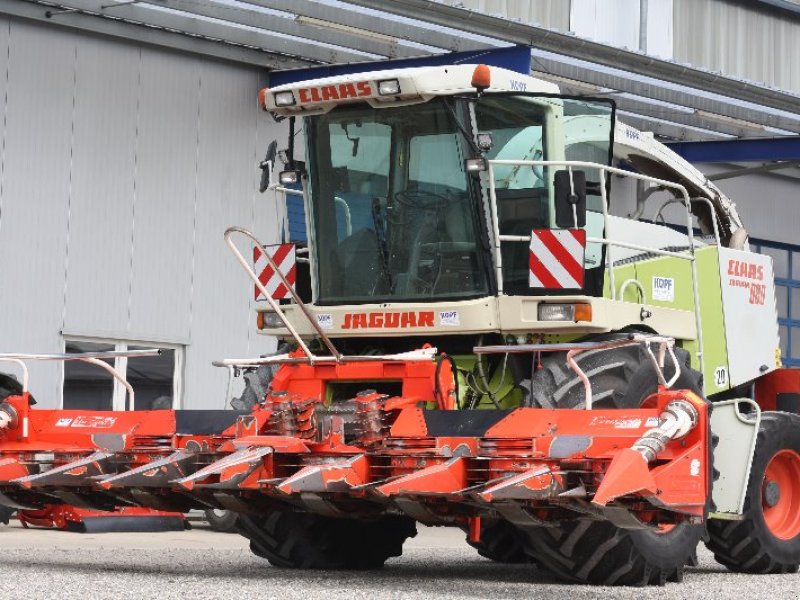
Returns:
<point x="751" y="324"/>
<point x="418" y="84"/>
<point x="508" y="314"/>
<point x="733" y="454"/>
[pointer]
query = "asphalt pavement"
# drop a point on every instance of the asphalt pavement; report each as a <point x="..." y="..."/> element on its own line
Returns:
<point x="42" y="564"/>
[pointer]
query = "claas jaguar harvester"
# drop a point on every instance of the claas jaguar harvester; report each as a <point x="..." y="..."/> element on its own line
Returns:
<point x="477" y="332"/>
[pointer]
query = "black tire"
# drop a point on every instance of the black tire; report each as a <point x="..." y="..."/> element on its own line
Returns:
<point x="598" y="552"/>
<point x="223" y="521"/>
<point x="6" y="513"/>
<point x="10" y="386"/>
<point x="749" y="545"/>
<point x="500" y="542"/>
<point x="621" y="378"/>
<point x="306" y="541"/>
<point x="257" y="382"/>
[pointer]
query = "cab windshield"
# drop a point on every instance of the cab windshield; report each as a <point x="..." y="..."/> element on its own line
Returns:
<point x="394" y="214"/>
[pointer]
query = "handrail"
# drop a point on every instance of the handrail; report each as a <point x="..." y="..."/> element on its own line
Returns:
<point x="87" y="357"/>
<point x="603" y="170"/>
<point x="696" y="199"/>
<point x="273" y="304"/>
<point x="421" y="355"/>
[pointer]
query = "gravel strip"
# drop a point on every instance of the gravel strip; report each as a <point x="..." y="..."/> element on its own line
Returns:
<point x="432" y="567"/>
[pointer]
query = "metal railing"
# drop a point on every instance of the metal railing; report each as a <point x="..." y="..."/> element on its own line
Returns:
<point x="609" y="244"/>
<point x="311" y="358"/>
<point x="93" y="358"/>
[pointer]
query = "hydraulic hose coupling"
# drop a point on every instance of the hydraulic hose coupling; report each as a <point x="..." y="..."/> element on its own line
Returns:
<point x="8" y="416"/>
<point x="678" y="419"/>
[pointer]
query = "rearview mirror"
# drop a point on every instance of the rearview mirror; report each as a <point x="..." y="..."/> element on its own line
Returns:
<point x="267" y="165"/>
<point x="570" y="200"/>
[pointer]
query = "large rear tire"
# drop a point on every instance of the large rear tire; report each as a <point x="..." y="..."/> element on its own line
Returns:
<point x="598" y="552"/>
<point x="306" y="541"/>
<point x="767" y="539"/>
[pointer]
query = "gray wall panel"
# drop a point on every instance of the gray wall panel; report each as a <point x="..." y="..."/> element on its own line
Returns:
<point x="268" y="208"/>
<point x="103" y="172"/>
<point x="550" y="13"/>
<point x="165" y="192"/>
<point x="767" y="203"/>
<point x="122" y="166"/>
<point x="34" y="194"/>
<point x="751" y="42"/>
<point x="225" y="196"/>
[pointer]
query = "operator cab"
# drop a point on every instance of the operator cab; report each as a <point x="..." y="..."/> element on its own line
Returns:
<point x="396" y="216"/>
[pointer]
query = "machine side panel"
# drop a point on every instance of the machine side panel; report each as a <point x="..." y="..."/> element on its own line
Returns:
<point x="751" y="323"/>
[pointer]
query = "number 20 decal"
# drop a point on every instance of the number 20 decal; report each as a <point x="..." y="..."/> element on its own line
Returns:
<point x="721" y="376"/>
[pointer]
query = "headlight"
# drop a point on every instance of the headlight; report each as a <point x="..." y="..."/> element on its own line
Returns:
<point x="389" y="87"/>
<point x="565" y="312"/>
<point x="289" y="177"/>
<point x="475" y="165"/>
<point x="268" y="320"/>
<point x="284" y="99"/>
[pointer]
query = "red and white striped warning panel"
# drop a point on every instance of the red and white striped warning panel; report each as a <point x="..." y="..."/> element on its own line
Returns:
<point x="283" y="256"/>
<point x="556" y="258"/>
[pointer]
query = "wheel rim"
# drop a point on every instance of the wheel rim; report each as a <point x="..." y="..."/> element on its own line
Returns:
<point x="780" y="495"/>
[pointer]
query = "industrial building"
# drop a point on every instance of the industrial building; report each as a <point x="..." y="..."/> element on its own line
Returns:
<point x="130" y="139"/>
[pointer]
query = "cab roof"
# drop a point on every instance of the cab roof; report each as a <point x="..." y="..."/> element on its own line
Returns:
<point x="413" y="86"/>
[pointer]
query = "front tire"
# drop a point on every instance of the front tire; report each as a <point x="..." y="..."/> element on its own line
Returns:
<point x="621" y="378"/>
<point x="223" y="521"/>
<point x="598" y="552"/>
<point x="767" y="539"/>
<point x="294" y="540"/>
<point x="500" y="542"/>
<point x="6" y="513"/>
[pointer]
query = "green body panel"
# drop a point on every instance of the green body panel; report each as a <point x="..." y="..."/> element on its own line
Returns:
<point x="715" y="345"/>
<point x="501" y="383"/>
<point x="710" y="292"/>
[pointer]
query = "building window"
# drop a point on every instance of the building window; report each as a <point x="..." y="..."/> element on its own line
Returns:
<point x="156" y="380"/>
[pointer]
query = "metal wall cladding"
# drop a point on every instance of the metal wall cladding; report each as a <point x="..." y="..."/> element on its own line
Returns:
<point x="748" y="41"/>
<point x="744" y="40"/>
<point x="36" y="91"/>
<point x="553" y="14"/>
<point x="121" y="167"/>
<point x="767" y="203"/>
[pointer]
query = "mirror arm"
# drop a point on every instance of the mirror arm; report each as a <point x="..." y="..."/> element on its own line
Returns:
<point x="290" y="149"/>
<point x="573" y="198"/>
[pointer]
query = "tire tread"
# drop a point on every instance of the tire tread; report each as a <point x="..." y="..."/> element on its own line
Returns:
<point x="747" y="546"/>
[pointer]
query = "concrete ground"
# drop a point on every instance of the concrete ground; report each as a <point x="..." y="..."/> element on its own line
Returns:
<point x="203" y="564"/>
